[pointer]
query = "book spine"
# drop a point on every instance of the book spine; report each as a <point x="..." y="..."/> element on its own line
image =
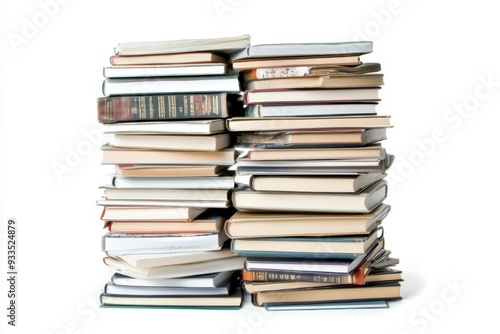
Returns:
<point x="358" y="277"/>
<point x="161" y="107"/>
<point x="276" y="72"/>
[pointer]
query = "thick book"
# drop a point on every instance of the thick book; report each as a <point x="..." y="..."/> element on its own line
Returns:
<point x="168" y="59"/>
<point x="165" y="71"/>
<point x="233" y="301"/>
<point x="181" y="182"/>
<point x="164" y="291"/>
<point x="175" y="85"/>
<point x="214" y="142"/>
<point x="268" y="151"/>
<point x="211" y="280"/>
<point x="365" y="201"/>
<point x="251" y="63"/>
<point x="356" y="305"/>
<point x="166" y="259"/>
<point x="300" y="71"/>
<point x="375" y="291"/>
<point x="165" y="107"/>
<point x="314" y="184"/>
<point x="242" y="124"/>
<point x="334" y="81"/>
<point x="304" y="49"/>
<point x="117" y="155"/>
<point x="313" y="95"/>
<point x="150" y="243"/>
<point x="226" y="44"/>
<point x="198" y="225"/>
<point x="191" y="127"/>
<point x="142" y="213"/>
<point x="314" y="138"/>
<point x="347" y="248"/>
<point x="176" y="270"/>
<point x="270" y="224"/>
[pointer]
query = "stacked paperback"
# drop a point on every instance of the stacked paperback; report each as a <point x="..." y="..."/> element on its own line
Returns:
<point x="310" y="171"/>
<point x="165" y="206"/>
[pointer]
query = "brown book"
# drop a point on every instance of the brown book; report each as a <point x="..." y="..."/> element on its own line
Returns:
<point x="334" y="81"/>
<point x="213" y="142"/>
<point x="375" y="291"/>
<point x="166" y="170"/>
<point x="164" y="107"/>
<point x="166" y="59"/>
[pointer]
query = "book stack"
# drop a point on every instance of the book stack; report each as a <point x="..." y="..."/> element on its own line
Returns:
<point x="311" y="174"/>
<point x="163" y="112"/>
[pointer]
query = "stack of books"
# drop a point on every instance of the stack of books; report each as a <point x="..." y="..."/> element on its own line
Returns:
<point x="311" y="181"/>
<point x="163" y="113"/>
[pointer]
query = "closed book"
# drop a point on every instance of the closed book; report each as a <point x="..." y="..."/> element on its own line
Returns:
<point x="314" y="138"/>
<point x="141" y="213"/>
<point x="326" y="60"/>
<point x="334" y="81"/>
<point x="325" y="95"/>
<point x="142" y="170"/>
<point x="303" y="49"/>
<point x="342" y="247"/>
<point x="150" y="243"/>
<point x="161" y="85"/>
<point x="374" y="291"/>
<point x="167" y="59"/>
<point x="118" y="155"/>
<point x="191" y="127"/>
<point x="165" y="107"/>
<point x="124" y="290"/>
<point x="364" y="201"/>
<point x="211" y="280"/>
<point x="146" y="71"/>
<point x="118" y="193"/>
<point x="174" y="182"/>
<point x="214" y="142"/>
<point x="163" y="203"/>
<point x="241" y="124"/>
<point x="271" y="224"/>
<point x="310" y="109"/>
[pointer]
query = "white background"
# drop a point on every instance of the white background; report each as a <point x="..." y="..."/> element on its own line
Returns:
<point x="438" y="58"/>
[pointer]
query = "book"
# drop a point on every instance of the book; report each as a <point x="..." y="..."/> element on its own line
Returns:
<point x="214" y="142"/>
<point x="165" y="70"/>
<point x="111" y="192"/>
<point x="150" y="243"/>
<point x="251" y="63"/>
<point x="276" y="281"/>
<point x="314" y="184"/>
<point x="159" y="203"/>
<point x="347" y="248"/>
<point x="312" y="163"/>
<point x="176" y="270"/>
<point x="313" y="95"/>
<point x="300" y="71"/>
<point x="211" y="280"/>
<point x="168" y="59"/>
<point x="166" y="85"/>
<point x="315" y="138"/>
<point x="304" y="152"/>
<point x="126" y="213"/>
<point x="364" y="304"/>
<point x="141" y="227"/>
<point x="310" y="109"/>
<point x="241" y="124"/>
<point x="233" y="301"/>
<point x="303" y="49"/>
<point x="165" y="107"/>
<point x="365" y="201"/>
<point x="271" y="224"/>
<point x="116" y="155"/>
<point x="226" y="45"/>
<point x="165" y="259"/>
<point x="334" y="81"/>
<point x="167" y="170"/>
<point x="375" y="291"/>
<point x="200" y="127"/>
<point x="181" y="182"/>
<point x="162" y="291"/>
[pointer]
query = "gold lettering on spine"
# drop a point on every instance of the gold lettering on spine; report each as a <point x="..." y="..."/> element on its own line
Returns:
<point x="171" y="106"/>
<point x="215" y="106"/>
<point x="151" y="112"/>
<point x="161" y="107"/>
<point x="142" y="107"/>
